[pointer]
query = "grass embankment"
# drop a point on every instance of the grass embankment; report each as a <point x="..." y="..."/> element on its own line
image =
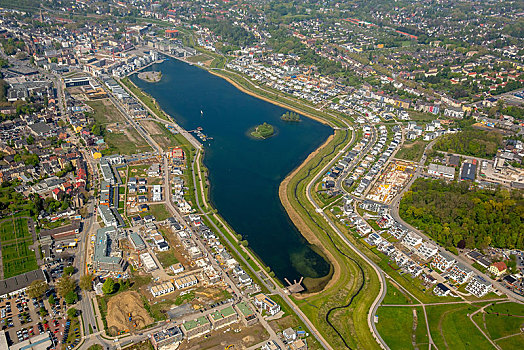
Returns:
<point x="351" y="322"/>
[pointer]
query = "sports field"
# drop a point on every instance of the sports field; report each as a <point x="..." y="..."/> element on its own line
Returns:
<point x="17" y="258"/>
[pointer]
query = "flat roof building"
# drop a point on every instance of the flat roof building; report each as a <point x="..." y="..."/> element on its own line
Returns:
<point x="19" y="283"/>
<point x="106" y="257"/>
<point x="468" y="172"/>
<point x="248" y="316"/>
<point x="264" y="302"/>
<point x="162" y="289"/>
<point x="166" y="336"/>
<point x="197" y="327"/>
<point x="447" y="172"/>
<point x="136" y="241"/>
<point x="224" y="317"/>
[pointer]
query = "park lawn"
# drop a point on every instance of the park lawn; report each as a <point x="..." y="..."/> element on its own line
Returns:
<point x="411" y="150"/>
<point x="159" y="211"/>
<point x="506" y="308"/>
<point x="451" y="327"/>
<point x="395" y="325"/>
<point x="501" y="326"/>
<point x="511" y="342"/>
<point x="395" y="296"/>
<point x="166" y="258"/>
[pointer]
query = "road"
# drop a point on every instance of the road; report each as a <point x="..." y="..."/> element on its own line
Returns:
<point x="378" y="271"/>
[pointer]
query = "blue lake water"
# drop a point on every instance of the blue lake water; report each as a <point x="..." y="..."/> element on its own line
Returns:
<point x="245" y="173"/>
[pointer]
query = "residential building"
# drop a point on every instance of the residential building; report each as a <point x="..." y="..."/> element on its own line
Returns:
<point x="166" y="336"/>
<point x="196" y="328"/>
<point x="498" y="268"/>
<point x="224" y="317"/>
<point x="270" y="345"/>
<point x="106" y="256"/>
<point x="148" y="261"/>
<point x="248" y="316"/>
<point x="264" y="302"/>
<point x="443" y="261"/>
<point x="186" y="282"/>
<point x="411" y="240"/>
<point x="441" y="290"/>
<point x="136" y="241"/>
<point x="460" y="273"/>
<point x="162" y="289"/>
<point x="479" y="287"/>
<point x="427" y="250"/>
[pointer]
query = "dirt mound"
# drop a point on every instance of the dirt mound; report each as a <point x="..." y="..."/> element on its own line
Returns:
<point x="121" y="307"/>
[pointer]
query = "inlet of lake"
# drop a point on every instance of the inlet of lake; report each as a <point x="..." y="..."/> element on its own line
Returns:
<point x="245" y="173"/>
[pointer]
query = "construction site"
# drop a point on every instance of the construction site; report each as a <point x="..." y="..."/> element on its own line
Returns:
<point x="391" y="181"/>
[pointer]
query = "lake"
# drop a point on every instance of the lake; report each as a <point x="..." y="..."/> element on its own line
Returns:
<point x="245" y="173"/>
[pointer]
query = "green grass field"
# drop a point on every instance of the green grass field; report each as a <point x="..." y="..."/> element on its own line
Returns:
<point x="17" y="258"/>
<point x="17" y="230"/>
<point x="159" y="211"/>
<point x="166" y="258"/>
<point x="411" y="150"/>
<point x="395" y="296"/>
<point x="451" y="327"/>
<point x="395" y="325"/>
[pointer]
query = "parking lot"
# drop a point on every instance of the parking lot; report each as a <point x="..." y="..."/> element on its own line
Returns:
<point x="21" y="318"/>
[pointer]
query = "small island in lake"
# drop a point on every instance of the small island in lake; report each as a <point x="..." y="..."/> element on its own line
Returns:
<point x="151" y="77"/>
<point x="290" y="117"/>
<point x="263" y="131"/>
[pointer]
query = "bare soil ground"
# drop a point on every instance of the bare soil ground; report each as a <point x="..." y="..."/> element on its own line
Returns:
<point x="121" y="306"/>
<point x="220" y="339"/>
<point x="158" y="134"/>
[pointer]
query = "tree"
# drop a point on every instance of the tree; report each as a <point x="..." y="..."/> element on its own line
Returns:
<point x="71" y="297"/>
<point x="69" y="270"/>
<point x="72" y="312"/>
<point x="86" y="282"/>
<point x="37" y="288"/>
<point x="65" y="285"/>
<point x="52" y="300"/>
<point x="43" y="312"/>
<point x="109" y="286"/>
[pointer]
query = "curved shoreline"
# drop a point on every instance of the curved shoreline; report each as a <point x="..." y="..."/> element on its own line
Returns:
<point x="301" y="225"/>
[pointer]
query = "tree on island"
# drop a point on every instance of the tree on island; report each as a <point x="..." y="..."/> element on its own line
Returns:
<point x="290" y="117"/>
<point x="263" y="131"/>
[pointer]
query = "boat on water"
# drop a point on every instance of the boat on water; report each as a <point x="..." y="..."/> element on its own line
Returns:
<point x="201" y="113"/>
